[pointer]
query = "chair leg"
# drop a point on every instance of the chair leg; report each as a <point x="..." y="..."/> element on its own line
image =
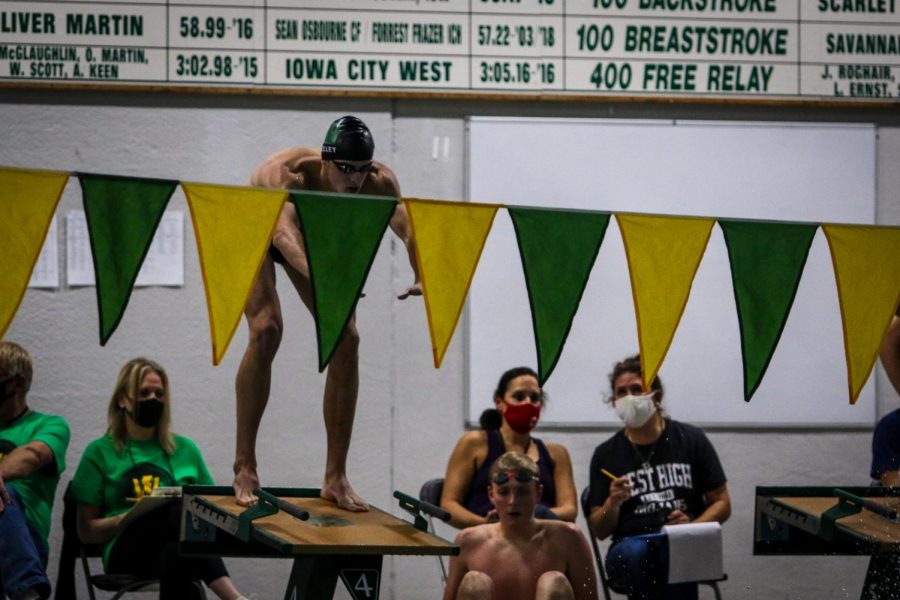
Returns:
<point x="443" y="569"/>
<point x="714" y="586"/>
<point x="87" y="575"/>
<point x="601" y="572"/>
<point x="440" y="558"/>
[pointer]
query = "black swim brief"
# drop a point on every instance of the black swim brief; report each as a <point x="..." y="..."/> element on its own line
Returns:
<point x="276" y="255"/>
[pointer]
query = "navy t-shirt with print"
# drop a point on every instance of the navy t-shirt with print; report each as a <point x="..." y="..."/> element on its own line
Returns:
<point x="886" y="445"/>
<point x="683" y="466"/>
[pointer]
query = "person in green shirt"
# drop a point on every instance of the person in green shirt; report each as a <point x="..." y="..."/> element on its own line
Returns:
<point x="32" y="456"/>
<point x="137" y="454"/>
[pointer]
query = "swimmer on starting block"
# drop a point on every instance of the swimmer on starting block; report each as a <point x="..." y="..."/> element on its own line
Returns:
<point x="343" y="165"/>
<point x="520" y="556"/>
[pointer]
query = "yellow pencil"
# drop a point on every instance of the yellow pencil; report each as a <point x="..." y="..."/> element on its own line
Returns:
<point x="608" y="474"/>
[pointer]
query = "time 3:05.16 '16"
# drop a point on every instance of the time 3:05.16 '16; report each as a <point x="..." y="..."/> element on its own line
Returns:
<point x="516" y="72"/>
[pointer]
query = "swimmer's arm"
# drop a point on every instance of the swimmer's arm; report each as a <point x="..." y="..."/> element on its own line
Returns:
<point x="401" y="227"/>
<point x="282" y="170"/>
<point x="288" y="240"/>
<point x="458" y="566"/>
<point x="580" y="565"/>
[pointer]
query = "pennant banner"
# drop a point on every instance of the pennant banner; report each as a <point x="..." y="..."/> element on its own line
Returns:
<point x="233" y="227"/>
<point x="663" y="256"/>
<point x="449" y="239"/>
<point x="767" y="260"/>
<point x="558" y="249"/>
<point x="342" y="235"/>
<point x="866" y="263"/>
<point x="122" y="215"/>
<point x="28" y="200"/>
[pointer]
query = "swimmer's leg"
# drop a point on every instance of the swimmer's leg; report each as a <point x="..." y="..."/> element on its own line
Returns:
<point x="338" y="406"/>
<point x="553" y="585"/>
<point x="475" y="585"/>
<point x="254" y="378"/>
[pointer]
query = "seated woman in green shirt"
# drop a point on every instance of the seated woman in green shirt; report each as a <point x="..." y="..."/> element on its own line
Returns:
<point x="137" y="454"/>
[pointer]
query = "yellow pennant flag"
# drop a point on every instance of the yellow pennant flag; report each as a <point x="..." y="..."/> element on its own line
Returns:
<point x="28" y="199"/>
<point x="233" y="227"/>
<point x="449" y="239"/>
<point x="663" y="256"/>
<point x="866" y="263"/>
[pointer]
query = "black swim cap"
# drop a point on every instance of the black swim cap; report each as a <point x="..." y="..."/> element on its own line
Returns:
<point x="348" y="138"/>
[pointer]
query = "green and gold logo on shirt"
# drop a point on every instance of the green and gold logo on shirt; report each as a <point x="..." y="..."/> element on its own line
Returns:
<point x="142" y="479"/>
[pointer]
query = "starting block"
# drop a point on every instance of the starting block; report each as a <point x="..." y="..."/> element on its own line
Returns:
<point x="826" y="520"/>
<point x="325" y="542"/>
<point x="834" y="521"/>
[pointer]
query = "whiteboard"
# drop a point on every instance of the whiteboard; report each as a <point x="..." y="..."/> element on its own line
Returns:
<point x="782" y="171"/>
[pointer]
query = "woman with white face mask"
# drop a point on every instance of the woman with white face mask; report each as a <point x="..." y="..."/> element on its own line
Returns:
<point x="518" y="400"/>
<point x="655" y="471"/>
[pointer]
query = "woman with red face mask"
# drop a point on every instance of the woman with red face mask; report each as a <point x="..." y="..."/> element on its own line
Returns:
<point x="518" y="399"/>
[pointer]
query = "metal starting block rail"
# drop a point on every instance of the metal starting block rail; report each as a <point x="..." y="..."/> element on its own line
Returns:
<point x="325" y="542"/>
<point x="417" y="507"/>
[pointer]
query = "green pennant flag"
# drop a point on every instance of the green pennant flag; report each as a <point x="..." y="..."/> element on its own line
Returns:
<point x="767" y="260"/>
<point x="122" y="215"/>
<point x="342" y="235"/>
<point x="558" y="249"/>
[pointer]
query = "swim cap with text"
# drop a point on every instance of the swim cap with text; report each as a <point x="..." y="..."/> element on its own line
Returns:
<point x="348" y="138"/>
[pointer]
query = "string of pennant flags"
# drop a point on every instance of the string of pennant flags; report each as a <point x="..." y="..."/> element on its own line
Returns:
<point x="233" y="227"/>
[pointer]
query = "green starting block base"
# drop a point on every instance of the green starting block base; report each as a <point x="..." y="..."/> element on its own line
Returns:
<point x="315" y="577"/>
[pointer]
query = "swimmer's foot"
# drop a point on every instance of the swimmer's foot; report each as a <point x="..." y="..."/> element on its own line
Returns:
<point x="245" y="481"/>
<point x="338" y="490"/>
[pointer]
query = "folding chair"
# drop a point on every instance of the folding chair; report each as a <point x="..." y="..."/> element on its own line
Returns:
<point x="431" y="492"/>
<point x="607" y="585"/>
<point x="72" y="549"/>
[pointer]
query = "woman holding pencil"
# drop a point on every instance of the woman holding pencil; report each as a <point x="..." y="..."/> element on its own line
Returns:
<point x="518" y="400"/>
<point x="655" y="471"/>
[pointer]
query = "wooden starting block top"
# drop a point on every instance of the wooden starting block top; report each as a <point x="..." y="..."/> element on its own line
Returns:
<point x="866" y="524"/>
<point x="329" y="529"/>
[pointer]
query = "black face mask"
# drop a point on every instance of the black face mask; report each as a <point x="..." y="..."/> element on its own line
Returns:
<point x="147" y="413"/>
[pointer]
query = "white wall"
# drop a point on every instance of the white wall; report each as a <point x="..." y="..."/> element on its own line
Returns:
<point x="409" y="414"/>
